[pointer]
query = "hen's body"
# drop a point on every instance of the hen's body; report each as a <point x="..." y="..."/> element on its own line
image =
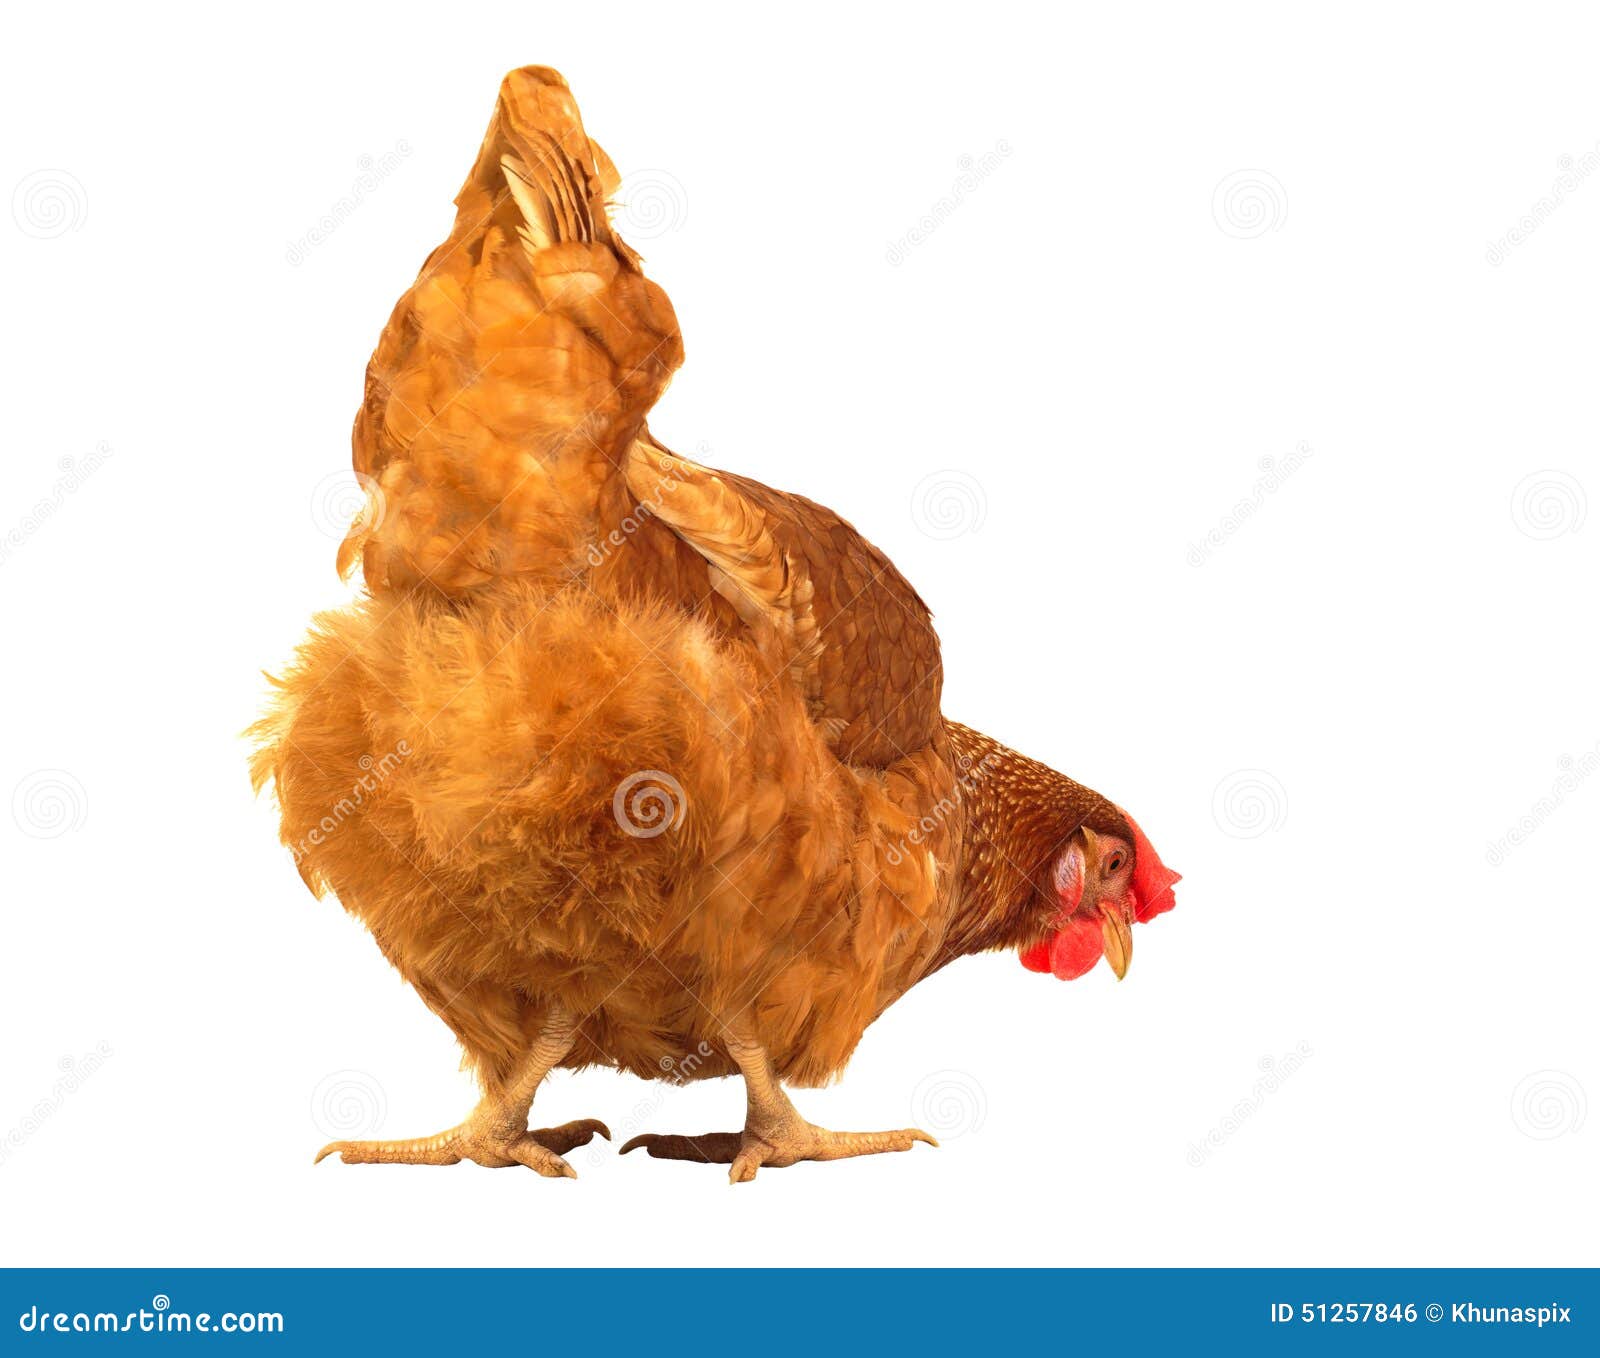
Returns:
<point x="623" y="760"/>
<point x="503" y="859"/>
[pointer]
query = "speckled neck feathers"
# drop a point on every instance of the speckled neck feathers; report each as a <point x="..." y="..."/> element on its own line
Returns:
<point x="1018" y="813"/>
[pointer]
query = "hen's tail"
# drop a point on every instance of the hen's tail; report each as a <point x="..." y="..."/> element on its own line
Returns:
<point x="514" y="374"/>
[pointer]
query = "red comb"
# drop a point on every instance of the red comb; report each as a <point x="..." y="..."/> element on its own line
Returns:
<point x="1152" y="879"/>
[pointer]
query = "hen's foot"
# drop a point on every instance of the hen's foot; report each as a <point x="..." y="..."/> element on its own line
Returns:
<point x="778" y="1145"/>
<point x="484" y="1143"/>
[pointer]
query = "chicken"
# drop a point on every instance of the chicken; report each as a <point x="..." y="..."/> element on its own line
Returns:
<point x="625" y="761"/>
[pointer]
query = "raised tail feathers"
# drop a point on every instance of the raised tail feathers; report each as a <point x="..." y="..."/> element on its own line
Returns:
<point x="514" y="374"/>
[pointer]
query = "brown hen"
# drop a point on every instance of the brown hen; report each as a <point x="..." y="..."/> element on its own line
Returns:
<point x="624" y="761"/>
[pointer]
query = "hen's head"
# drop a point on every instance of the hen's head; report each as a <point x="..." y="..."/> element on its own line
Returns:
<point x="1100" y="885"/>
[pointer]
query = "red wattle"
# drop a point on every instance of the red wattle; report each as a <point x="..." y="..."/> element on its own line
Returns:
<point x="1075" y="948"/>
<point x="1037" y="958"/>
<point x="1068" y="954"/>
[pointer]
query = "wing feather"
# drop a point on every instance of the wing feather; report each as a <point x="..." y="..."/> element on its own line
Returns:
<point x="856" y="638"/>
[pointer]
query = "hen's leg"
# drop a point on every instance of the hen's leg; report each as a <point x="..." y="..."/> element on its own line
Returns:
<point x="774" y="1132"/>
<point x="496" y="1133"/>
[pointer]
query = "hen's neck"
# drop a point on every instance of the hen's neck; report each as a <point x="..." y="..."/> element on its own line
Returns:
<point x="1019" y="814"/>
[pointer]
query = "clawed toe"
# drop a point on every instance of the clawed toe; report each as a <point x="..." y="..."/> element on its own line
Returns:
<point x="540" y="1151"/>
<point x="791" y="1144"/>
<point x="842" y="1145"/>
<point x="710" y="1148"/>
<point x="747" y="1152"/>
<point x="541" y="1159"/>
<point x="444" y="1149"/>
<point x="570" y="1135"/>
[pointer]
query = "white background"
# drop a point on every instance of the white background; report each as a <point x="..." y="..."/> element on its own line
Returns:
<point x="1325" y="724"/>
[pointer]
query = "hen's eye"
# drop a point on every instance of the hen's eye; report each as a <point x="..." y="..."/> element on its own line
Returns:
<point x="1115" y="865"/>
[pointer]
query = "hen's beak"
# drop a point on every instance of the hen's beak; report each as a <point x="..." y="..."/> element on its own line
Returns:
<point x="1118" y="938"/>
